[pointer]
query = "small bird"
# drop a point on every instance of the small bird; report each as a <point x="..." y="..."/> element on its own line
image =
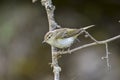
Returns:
<point x="63" y="37"/>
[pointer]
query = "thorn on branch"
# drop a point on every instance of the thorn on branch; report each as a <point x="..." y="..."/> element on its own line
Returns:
<point x="103" y="58"/>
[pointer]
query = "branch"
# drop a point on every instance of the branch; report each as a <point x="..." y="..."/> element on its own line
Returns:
<point x="52" y="25"/>
<point x="107" y="57"/>
<point x="91" y="44"/>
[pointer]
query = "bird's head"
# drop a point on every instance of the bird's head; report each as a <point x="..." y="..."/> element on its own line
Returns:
<point x="48" y="37"/>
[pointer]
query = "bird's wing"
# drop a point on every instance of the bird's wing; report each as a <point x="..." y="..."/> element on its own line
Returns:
<point x="66" y="32"/>
<point x="60" y="33"/>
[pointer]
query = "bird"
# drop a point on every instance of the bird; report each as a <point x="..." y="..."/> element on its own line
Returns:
<point x="64" y="37"/>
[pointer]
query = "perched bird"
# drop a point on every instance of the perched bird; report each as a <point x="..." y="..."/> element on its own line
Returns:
<point x="63" y="37"/>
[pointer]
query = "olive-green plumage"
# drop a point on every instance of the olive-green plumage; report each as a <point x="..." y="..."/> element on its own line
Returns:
<point x="63" y="37"/>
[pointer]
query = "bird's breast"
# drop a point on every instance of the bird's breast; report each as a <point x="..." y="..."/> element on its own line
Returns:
<point x="64" y="43"/>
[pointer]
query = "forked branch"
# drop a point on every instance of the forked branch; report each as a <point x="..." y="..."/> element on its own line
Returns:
<point x="49" y="7"/>
<point x="92" y="44"/>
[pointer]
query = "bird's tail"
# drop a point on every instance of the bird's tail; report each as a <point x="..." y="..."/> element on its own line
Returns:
<point x="87" y="27"/>
<point x="80" y="31"/>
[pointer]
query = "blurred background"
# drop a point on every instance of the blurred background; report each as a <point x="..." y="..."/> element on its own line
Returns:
<point x="24" y="24"/>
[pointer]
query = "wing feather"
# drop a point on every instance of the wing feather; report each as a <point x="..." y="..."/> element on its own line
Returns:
<point x="66" y="32"/>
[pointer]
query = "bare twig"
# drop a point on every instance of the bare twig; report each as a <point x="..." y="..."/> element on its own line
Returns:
<point x="90" y="44"/>
<point x="90" y="36"/>
<point x="52" y="25"/>
<point x="107" y="56"/>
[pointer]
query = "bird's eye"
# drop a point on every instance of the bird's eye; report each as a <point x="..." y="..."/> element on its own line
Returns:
<point x="49" y="37"/>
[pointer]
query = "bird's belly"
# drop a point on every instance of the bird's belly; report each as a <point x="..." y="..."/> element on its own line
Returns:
<point x="64" y="43"/>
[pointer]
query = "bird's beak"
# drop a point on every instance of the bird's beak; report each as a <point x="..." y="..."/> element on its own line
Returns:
<point x="44" y="41"/>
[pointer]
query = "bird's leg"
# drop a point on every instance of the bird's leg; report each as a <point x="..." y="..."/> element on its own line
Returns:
<point x="68" y="50"/>
<point x="60" y="51"/>
<point x="77" y="40"/>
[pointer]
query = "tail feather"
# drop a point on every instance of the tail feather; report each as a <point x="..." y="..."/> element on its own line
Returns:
<point x="88" y="27"/>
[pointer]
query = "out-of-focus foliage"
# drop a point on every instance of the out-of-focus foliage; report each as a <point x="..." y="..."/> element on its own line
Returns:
<point x="22" y="28"/>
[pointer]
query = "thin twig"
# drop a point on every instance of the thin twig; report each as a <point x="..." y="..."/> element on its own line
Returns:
<point x="87" y="34"/>
<point x="107" y="56"/>
<point x="90" y="44"/>
<point x="90" y="36"/>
